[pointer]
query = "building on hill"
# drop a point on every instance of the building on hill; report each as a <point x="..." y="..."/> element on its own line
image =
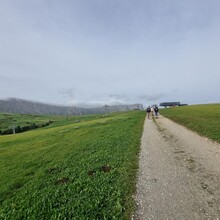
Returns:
<point x="171" y="104"/>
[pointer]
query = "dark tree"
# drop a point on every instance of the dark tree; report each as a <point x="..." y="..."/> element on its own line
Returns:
<point x="18" y="129"/>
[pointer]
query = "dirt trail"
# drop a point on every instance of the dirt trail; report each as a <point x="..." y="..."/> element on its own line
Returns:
<point x="179" y="174"/>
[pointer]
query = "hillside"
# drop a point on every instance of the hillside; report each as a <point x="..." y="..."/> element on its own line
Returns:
<point x="28" y="107"/>
<point x="69" y="170"/>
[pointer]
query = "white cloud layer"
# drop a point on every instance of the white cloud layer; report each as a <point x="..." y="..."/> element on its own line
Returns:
<point x="82" y="52"/>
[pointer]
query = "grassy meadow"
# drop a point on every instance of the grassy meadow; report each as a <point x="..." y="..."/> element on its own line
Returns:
<point x="76" y="168"/>
<point x="204" y="119"/>
<point x="8" y="120"/>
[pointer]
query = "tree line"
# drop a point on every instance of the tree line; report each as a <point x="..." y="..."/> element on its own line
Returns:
<point x="20" y="129"/>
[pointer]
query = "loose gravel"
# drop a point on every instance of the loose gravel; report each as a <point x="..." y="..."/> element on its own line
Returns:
<point x="179" y="174"/>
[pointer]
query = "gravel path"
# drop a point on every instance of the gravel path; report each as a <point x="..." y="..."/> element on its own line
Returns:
<point x="179" y="174"/>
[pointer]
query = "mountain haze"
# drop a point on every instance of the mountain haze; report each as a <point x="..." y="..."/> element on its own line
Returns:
<point x="14" y="105"/>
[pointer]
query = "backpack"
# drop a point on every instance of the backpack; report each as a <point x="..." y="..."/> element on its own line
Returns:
<point x="148" y="109"/>
<point x="156" y="109"/>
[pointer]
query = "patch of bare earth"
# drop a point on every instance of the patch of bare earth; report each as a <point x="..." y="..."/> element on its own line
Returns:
<point x="179" y="174"/>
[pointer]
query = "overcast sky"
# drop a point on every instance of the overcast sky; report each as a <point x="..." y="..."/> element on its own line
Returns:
<point x="95" y="52"/>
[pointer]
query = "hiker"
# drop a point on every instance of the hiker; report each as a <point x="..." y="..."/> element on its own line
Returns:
<point x="148" y="112"/>
<point x="156" y="110"/>
<point x="152" y="111"/>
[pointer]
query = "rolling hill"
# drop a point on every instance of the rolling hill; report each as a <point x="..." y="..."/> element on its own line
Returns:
<point x="70" y="170"/>
<point x="20" y="106"/>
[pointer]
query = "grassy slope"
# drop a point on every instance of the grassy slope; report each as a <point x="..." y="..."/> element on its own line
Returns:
<point x="44" y="172"/>
<point x="7" y="119"/>
<point x="204" y="119"/>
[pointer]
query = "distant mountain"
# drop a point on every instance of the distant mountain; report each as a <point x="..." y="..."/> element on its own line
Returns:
<point x="21" y="106"/>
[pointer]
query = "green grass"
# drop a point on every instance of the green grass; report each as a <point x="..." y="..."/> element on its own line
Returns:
<point x="83" y="170"/>
<point x="204" y="119"/>
<point x="7" y="119"/>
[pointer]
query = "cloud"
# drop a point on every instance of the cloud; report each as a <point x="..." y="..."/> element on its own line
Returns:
<point x="96" y="103"/>
<point x="69" y="93"/>
<point x="151" y="97"/>
<point x="115" y="99"/>
<point x="109" y="52"/>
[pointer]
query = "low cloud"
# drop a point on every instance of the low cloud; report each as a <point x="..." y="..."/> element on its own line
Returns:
<point x="121" y="97"/>
<point x="151" y="98"/>
<point x="69" y="93"/>
<point x="97" y="103"/>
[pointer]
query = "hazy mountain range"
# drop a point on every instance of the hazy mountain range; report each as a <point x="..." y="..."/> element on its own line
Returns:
<point x="21" y="106"/>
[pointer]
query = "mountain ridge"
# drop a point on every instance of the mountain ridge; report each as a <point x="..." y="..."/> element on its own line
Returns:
<point x="21" y="106"/>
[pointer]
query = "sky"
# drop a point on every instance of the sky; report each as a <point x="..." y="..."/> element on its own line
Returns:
<point x="89" y="53"/>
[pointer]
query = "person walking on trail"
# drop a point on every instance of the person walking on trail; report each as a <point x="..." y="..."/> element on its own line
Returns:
<point x="152" y="111"/>
<point x="148" y="112"/>
<point x="156" y="110"/>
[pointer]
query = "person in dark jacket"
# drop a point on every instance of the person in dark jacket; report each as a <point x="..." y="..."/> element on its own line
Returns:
<point x="156" y="110"/>
<point x="148" y="110"/>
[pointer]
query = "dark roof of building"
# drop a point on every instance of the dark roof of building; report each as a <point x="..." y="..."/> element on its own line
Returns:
<point x="169" y="103"/>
